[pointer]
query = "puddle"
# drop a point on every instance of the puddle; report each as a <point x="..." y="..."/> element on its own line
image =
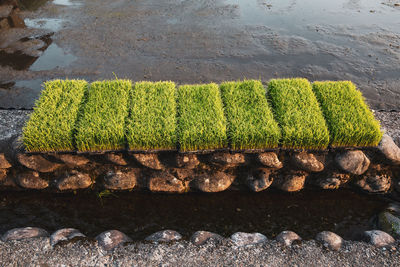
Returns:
<point x="45" y="23"/>
<point x="53" y="57"/>
<point x="139" y="214"/>
<point x="66" y="3"/>
<point x="20" y="94"/>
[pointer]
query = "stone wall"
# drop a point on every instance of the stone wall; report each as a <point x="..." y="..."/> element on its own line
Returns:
<point x="374" y="170"/>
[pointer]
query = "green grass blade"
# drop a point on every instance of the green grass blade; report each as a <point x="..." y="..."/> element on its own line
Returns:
<point x="52" y="124"/>
<point x="102" y="124"/>
<point x="152" y="120"/>
<point x="201" y="120"/>
<point x="350" y="121"/>
<point x="298" y="113"/>
<point x="250" y="121"/>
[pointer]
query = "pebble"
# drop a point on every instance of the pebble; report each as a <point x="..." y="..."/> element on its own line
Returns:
<point x="64" y="235"/>
<point x="355" y="162"/>
<point x="378" y="238"/>
<point x="241" y="239"/>
<point x="164" y="236"/>
<point x="202" y="237"/>
<point x="24" y="233"/>
<point x="111" y="239"/>
<point x="287" y="237"/>
<point x="329" y="240"/>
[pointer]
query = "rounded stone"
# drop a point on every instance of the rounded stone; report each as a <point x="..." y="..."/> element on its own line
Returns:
<point x="72" y="160"/>
<point x="292" y="182"/>
<point x="201" y="237"/>
<point x="74" y="180"/>
<point x="4" y="164"/>
<point x="213" y="181"/>
<point x="120" y="180"/>
<point x="3" y="174"/>
<point x="375" y="182"/>
<point x="270" y="159"/>
<point x="37" y="163"/>
<point x="164" y="236"/>
<point x="227" y="159"/>
<point x="259" y="180"/>
<point x="165" y="182"/>
<point x="307" y="162"/>
<point x="24" y="233"/>
<point x="188" y="161"/>
<point x="116" y="159"/>
<point x="378" y="238"/>
<point x="355" y="162"/>
<point x="31" y="180"/>
<point x="329" y="240"/>
<point x="64" y="235"/>
<point x="391" y="151"/>
<point x="149" y="160"/>
<point x="111" y="239"/>
<point x="333" y="180"/>
<point x="241" y="239"/>
<point x="287" y="237"/>
<point x="389" y="223"/>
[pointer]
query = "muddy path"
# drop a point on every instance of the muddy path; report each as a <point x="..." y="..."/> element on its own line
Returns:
<point x="190" y="41"/>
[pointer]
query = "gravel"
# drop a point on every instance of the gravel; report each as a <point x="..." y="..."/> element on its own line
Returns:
<point x="84" y="252"/>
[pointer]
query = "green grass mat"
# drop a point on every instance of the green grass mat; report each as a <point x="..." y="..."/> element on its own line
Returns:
<point x="152" y="120"/>
<point x="298" y="113"/>
<point x="201" y="121"/>
<point x="102" y="124"/>
<point x="250" y="123"/>
<point x="350" y="121"/>
<point x="52" y="124"/>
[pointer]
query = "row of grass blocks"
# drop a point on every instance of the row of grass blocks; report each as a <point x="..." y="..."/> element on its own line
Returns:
<point x="151" y="116"/>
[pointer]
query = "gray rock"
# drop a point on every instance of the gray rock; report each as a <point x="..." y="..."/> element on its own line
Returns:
<point x="64" y="235"/>
<point x="201" y="237"/>
<point x="4" y="24"/>
<point x="259" y="179"/>
<point x="5" y="11"/>
<point x="355" y="162"/>
<point x="241" y="239"/>
<point x="3" y="174"/>
<point x="378" y="238"/>
<point x="164" y="236"/>
<point x="333" y="180"/>
<point x="31" y="180"/>
<point x="74" y="180"/>
<point x="165" y="182"/>
<point x="227" y="159"/>
<point x="72" y="160"/>
<point x="4" y="164"/>
<point x="375" y="181"/>
<point x="213" y="181"/>
<point x="287" y="237"/>
<point x="149" y="160"/>
<point x="24" y="233"/>
<point x="307" y="162"/>
<point x="270" y="159"/>
<point x="116" y="159"/>
<point x="329" y="240"/>
<point x="111" y="239"/>
<point x="121" y="179"/>
<point x="389" y="223"/>
<point x="292" y="181"/>
<point x="188" y="161"/>
<point x="390" y="149"/>
<point x="37" y="163"/>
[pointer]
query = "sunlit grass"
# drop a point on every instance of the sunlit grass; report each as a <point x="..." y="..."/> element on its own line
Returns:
<point x="298" y="113"/>
<point x="101" y="125"/>
<point x="201" y="121"/>
<point x="350" y="121"/>
<point x="51" y="126"/>
<point x="152" y="120"/>
<point x="250" y="121"/>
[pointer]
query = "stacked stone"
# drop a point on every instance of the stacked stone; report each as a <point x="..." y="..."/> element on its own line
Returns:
<point x="374" y="171"/>
<point x="9" y="15"/>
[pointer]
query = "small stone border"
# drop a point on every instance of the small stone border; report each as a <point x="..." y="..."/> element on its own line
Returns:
<point x="111" y="239"/>
<point x="372" y="170"/>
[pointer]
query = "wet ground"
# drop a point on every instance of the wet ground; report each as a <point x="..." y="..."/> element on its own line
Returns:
<point x="140" y="214"/>
<point x="191" y="41"/>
